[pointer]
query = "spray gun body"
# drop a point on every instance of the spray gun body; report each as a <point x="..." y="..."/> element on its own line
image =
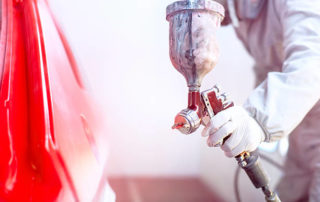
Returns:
<point x="193" y="52"/>
<point x="201" y="108"/>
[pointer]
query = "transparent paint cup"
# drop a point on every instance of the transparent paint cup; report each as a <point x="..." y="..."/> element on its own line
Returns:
<point x="193" y="48"/>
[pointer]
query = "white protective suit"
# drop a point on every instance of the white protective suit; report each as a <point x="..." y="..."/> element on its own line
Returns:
<point x="284" y="40"/>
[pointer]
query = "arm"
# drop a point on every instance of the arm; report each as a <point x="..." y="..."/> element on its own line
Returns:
<point x="281" y="102"/>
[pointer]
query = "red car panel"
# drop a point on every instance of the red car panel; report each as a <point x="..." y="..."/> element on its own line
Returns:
<point x="52" y="137"/>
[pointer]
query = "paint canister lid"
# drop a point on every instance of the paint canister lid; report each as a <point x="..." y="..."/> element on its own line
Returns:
<point x="207" y="5"/>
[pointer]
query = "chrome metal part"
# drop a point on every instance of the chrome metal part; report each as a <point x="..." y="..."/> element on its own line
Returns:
<point x="192" y="121"/>
<point x="227" y="103"/>
<point x="273" y="198"/>
<point x="243" y="163"/>
<point x="223" y="97"/>
<point x="217" y="88"/>
<point x="207" y="5"/>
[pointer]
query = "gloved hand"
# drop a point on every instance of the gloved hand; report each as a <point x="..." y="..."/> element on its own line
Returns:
<point x="245" y="133"/>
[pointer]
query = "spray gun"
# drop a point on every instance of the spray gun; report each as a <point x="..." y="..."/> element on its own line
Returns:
<point x="194" y="54"/>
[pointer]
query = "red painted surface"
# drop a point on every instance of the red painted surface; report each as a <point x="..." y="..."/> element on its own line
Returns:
<point x="52" y="139"/>
<point x="216" y="104"/>
<point x="194" y="102"/>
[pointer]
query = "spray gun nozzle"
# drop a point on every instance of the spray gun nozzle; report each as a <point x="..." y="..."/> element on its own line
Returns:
<point x="177" y="125"/>
<point x="179" y="122"/>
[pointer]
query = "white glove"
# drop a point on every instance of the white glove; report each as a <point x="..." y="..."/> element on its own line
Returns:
<point x="245" y="133"/>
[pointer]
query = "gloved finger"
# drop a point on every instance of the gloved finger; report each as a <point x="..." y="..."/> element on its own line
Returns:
<point x="236" y="151"/>
<point x="208" y="130"/>
<point x="221" y="118"/>
<point x="244" y="146"/>
<point x="228" y="154"/>
<point x="205" y="132"/>
<point x="220" y="134"/>
<point x="252" y="146"/>
<point x="232" y="142"/>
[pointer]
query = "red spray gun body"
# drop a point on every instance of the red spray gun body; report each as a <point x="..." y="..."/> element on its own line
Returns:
<point x="193" y="52"/>
<point x="201" y="108"/>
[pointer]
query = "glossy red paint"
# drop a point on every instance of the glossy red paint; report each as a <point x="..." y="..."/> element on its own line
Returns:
<point x="52" y="138"/>
<point x="216" y="103"/>
<point x="194" y="102"/>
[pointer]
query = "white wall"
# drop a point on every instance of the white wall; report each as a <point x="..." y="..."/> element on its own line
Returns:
<point x="123" y="48"/>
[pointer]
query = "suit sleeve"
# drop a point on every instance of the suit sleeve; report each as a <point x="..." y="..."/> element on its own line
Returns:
<point x="284" y="98"/>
